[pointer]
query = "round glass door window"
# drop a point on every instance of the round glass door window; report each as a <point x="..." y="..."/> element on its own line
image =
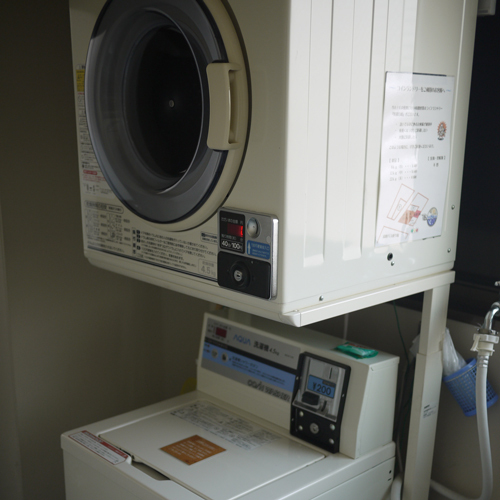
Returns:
<point x="149" y="107"/>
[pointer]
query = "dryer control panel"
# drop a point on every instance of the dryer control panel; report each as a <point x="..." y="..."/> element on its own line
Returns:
<point x="248" y="250"/>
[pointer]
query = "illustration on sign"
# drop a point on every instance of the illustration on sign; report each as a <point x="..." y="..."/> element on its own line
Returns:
<point x="415" y="157"/>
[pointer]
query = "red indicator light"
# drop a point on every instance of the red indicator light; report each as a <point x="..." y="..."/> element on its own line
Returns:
<point x="221" y="332"/>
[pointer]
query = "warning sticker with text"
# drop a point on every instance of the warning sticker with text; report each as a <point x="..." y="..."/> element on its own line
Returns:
<point x="100" y="447"/>
<point x="192" y="449"/>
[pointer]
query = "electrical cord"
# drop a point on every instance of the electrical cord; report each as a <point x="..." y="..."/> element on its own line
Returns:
<point x="403" y="399"/>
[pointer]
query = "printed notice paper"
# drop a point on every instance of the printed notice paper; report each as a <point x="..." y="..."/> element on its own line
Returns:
<point x="415" y="157"/>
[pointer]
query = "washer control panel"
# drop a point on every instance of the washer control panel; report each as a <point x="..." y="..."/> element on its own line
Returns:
<point x="318" y="401"/>
<point x="248" y="250"/>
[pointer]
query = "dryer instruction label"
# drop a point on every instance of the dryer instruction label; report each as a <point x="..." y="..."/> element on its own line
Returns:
<point x="108" y="228"/>
<point x="92" y="180"/>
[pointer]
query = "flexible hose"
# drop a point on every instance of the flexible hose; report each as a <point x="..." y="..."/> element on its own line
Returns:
<point x="484" y="437"/>
<point x="484" y="443"/>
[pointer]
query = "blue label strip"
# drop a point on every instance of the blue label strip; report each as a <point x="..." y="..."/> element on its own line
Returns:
<point x="248" y="366"/>
<point x="259" y="250"/>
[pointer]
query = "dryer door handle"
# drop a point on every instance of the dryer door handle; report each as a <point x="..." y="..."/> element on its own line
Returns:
<point x="228" y="106"/>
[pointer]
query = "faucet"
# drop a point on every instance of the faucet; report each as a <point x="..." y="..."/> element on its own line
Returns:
<point x="487" y="326"/>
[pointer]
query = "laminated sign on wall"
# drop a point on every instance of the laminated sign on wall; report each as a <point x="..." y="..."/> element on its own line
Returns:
<point x="415" y="157"/>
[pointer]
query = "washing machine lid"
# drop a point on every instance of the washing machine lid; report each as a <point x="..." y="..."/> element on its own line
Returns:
<point x="167" y="106"/>
<point x="212" y="451"/>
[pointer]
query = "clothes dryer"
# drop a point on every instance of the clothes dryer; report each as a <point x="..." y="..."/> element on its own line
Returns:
<point x="272" y="156"/>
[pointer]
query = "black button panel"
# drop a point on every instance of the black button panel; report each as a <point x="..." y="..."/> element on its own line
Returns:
<point x="244" y="275"/>
<point x="248" y="249"/>
<point x="318" y="401"/>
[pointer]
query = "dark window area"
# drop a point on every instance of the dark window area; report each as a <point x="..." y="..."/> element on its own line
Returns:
<point x="478" y="252"/>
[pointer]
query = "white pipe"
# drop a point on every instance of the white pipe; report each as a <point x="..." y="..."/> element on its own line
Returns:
<point x="484" y="443"/>
<point x="484" y="438"/>
<point x="482" y="425"/>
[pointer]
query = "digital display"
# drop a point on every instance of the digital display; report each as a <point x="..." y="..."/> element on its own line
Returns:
<point x="320" y="386"/>
<point x="234" y="230"/>
<point x="221" y="332"/>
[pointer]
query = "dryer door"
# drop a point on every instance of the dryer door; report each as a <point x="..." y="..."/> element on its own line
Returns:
<point x="167" y="106"/>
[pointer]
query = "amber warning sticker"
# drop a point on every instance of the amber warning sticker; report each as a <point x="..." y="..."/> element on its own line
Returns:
<point x="192" y="449"/>
<point x="80" y="79"/>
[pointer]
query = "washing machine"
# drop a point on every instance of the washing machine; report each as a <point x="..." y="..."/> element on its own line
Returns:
<point x="276" y="414"/>
<point x="274" y="156"/>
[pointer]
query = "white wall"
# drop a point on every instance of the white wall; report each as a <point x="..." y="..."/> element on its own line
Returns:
<point x="78" y="344"/>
